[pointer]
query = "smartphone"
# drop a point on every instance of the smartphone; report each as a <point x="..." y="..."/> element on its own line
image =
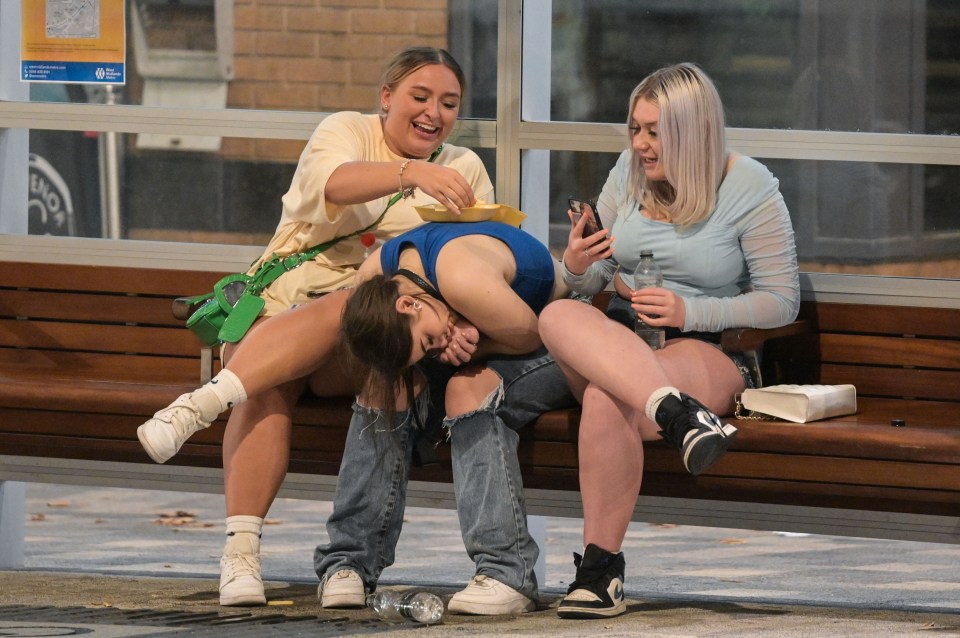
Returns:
<point x="587" y="207"/>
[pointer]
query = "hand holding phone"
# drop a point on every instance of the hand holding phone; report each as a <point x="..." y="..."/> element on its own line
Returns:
<point x="588" y="207"/>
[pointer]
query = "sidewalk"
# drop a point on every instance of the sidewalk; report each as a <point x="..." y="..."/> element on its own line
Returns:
<point x="112" y="549"/>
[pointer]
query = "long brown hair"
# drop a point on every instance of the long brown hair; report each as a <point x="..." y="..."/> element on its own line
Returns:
<point x="379" y="336"/>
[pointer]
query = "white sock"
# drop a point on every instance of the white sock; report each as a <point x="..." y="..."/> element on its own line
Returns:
<point x="656" y="397"/>
<point x="240" y="523"/>
<point x="243" y="534"/>
<point x="221" y="393"/>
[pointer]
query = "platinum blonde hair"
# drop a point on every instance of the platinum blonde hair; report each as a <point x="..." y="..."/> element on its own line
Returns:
<point x="693" y="144"/>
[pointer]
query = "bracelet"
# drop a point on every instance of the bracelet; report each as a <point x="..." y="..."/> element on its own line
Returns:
<point x="405" y="192"/>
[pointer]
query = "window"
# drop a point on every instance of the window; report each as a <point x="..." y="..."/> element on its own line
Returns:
<point x="852" y="105"/>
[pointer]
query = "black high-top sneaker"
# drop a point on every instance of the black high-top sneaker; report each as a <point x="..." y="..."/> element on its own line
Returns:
<point x="694" y="430"/>
<point x="597" y="591"/>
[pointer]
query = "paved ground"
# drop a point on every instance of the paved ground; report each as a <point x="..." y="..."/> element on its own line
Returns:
<point x="96" y="554"/>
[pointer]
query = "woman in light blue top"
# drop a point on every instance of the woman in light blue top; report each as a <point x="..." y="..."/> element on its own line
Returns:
<point x="720" y="231"/>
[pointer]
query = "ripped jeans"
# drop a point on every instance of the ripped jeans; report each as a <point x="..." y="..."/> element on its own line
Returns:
<point x="371" y="488"/>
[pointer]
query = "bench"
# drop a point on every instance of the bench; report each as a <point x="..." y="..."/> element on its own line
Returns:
<point x="87" y="353"/>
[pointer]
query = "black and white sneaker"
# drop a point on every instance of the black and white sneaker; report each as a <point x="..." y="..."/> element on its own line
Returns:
<point x="694" y="430"/>
<point x="597" y="591"/>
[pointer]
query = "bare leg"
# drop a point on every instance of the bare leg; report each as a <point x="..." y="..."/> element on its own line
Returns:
<point x="588" y="345"/>
<point x="256" y="442"/>
<point x="622" y="372"/>
<point x="290" y="345"/>
<point x="256" y="449"/>
<point x="609" y="445"/>
<point x="584" y="341"/>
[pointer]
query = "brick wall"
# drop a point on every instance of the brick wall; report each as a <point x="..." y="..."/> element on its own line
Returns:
<point x="319" y="55"/>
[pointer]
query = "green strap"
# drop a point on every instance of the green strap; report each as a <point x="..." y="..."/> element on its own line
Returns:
<point x="270" y="270"/>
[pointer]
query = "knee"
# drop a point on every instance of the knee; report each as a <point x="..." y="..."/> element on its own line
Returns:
<point x="547" y="321"/>
<point x="470" y="391"/>
<point x="553" y="318"/>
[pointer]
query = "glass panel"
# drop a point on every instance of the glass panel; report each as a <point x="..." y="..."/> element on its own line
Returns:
<point x="229" y="197"/>
<point x="861" y="65"/>
<point x="849" y="217"/>
<point x="323" y="57"/>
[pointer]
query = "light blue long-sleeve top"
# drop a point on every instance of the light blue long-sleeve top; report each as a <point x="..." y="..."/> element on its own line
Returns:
<point x="738" y="268"/>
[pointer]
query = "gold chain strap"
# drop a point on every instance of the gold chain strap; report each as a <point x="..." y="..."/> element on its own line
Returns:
<point x="753" y="416"/>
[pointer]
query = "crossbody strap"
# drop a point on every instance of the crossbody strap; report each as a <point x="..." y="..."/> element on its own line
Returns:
<point x="270" y="270"/>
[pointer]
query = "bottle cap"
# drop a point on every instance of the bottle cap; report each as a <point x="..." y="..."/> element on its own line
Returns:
<point x="646" y="253"/>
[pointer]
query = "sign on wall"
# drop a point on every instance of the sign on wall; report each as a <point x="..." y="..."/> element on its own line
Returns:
<point x="73" y="41"/>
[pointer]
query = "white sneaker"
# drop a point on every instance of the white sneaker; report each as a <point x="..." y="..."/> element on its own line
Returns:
<point x="485" y="596"/>
<point x="343" y="589"/>
<point x="240" y="580"/>
<point x="164" y="434"/>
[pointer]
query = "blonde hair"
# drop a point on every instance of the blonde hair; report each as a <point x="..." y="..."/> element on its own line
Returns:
<point x="693" y="145"/>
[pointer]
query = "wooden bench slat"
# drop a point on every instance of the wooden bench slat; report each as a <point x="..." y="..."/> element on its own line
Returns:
<point x="118" y="279"/>
<point x="56" y="335"/>
<point x="832" y="469"/>
<point x="890" y="351"/>
<point x="88" y="307"/>
<point x="80" y="448"/>
<point x="747" y="339"/>
<point x="849" y="440"/>
<point x="106" y="397"/>
<point x="895" y="382"/>
<point x="45" y="366"/>
<point x="871" y="319"/>
<point x="926" y="414"/>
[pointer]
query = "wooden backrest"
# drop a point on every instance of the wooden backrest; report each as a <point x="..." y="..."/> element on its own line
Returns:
<point x="102" y="321"/>
<point x="892" y="352"/>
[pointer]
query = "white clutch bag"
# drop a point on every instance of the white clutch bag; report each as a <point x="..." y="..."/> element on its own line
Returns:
<point x="800" y="403"/>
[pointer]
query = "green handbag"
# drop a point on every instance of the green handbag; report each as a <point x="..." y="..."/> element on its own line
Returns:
<point x="227" y="313"/>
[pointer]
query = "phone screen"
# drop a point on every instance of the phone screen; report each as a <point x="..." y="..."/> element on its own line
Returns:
<point x="581" y="207"/>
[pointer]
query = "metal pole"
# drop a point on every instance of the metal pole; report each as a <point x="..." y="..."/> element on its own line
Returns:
<point x="109" y="177"/>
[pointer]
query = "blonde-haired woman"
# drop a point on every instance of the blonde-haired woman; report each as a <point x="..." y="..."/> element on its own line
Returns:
<point x="720" y="231"/>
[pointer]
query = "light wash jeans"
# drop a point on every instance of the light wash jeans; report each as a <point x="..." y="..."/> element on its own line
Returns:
<point x="371" y="488"/>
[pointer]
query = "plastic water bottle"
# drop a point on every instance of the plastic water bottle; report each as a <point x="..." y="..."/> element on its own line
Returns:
<point x="648" y="275"/>
<point x="421" y="606"/>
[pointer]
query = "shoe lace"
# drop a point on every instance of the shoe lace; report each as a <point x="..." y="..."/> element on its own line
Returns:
<point x="241" y="565"/>
<point x="183" y="417"/>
